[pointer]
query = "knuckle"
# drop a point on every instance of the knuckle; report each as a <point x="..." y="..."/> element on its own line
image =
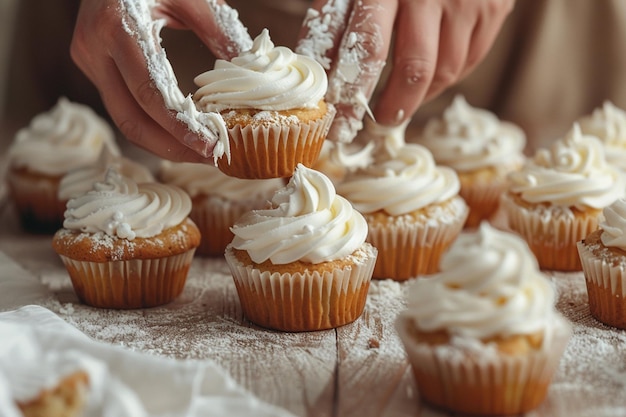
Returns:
<point x="415" y="71"/>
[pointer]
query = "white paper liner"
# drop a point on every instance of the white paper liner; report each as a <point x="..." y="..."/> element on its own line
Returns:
<point x="215" y="216"/>
<point x="457" y="369"/>
<point x="133" y="283"/>
<point x="408" y="248"/>
<point x="306" y="300"/>
<point x="483" y="200"/>
<point x="551" y="232"/>
<point x="260" y="152"/>
<point x="606" y="287"/>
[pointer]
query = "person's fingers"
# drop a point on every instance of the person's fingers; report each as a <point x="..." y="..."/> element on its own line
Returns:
<point x="119" y="71"/>
<point x="322" y="29"/>
<point x="414" y="61"/>
<point x="357" y="68"/>
<point x="213" y="21"/>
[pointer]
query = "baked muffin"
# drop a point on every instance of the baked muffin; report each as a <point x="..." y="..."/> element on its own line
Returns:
<point x="303" y="264"/>
<point x="127" y="245"/>
<point x="218" y="200"/>
<point x="482" y="150"/>
<point x="412" y="207"/>
<point x="603" y="258"/>
<point x="608" y="123"/>
<point x="68" y="136"/>
<point x="272" y="101"/>
<point x="483" y="336"/>
<point x="557" y="198"/>
<point x="81" y="180"/>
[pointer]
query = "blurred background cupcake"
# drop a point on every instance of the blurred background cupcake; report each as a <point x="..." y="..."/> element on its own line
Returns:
<point x="608" y="123"/>
<point x="483" y="336"/>
<point x="481" y="149"/>
<point x="68" y="136"/>
<point x="557" y="198"/>
<point x="412" y="206"/>
<point x="218" y="200"/>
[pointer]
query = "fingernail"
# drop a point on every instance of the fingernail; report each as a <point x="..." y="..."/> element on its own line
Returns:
<point x="199" y="144"/>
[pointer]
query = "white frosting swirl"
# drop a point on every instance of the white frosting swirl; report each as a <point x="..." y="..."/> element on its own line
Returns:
<point x="203" y="179"/>
<point x="121" y="208"/>
<point x="264" y="78"/>
<point x="468" y="138"/>
<point x="81" y="180"/>
<point x="614" y="225"/>
<point x="572" y="173"/>
<point x="308" y="222"/>
<point x="69" y="136"/>
<point x="490" y="285"/>
<point x="608" y="123"/>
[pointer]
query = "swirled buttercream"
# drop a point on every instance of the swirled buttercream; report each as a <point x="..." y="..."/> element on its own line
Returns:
<point x="308" y="222"/>
<point x="69" y="136"/>
<point x="80" y="180"/>
<point x="467" y="138"/>
<point x="489" y="286"/>
<point x="265" y="78"/>
<point x="203" y="179"/>
<point x="608" y="123"/>
<point x="121" y="208"/>
<point x="614" y="225"/>
<point x="572" y="173"/>
<point x="400" y="184"/>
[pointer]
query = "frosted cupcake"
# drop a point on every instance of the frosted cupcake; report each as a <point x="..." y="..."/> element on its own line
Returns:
<point x="482" y="149"/>
<point x="603" y="257"/>
<point x="557" y="198"/>
<point x="483" y="336"/>
<point x="303" y="264"/>
<point x="608" y="123"/>
<point x="218" y="200"/>
<point x="68" y="136"/>
<point x="412" y="207"/>
<point x="127" y="245"/>
<point x="272" y="101"/>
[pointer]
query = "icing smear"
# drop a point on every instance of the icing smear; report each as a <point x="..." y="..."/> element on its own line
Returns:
<point x="139" y="23"/>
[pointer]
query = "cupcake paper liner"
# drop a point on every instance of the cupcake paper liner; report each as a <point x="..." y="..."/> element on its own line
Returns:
<point x="133" y="283"/>
<point x="214" y="217"/>
<point x="36" y="201"/>
<point x="483" y="382"/>
<point x="259" y="152"/>
<point x="551" y="233"/>
<point x="483" y="200"/>
<point x="408" y="248"/>
<point x="306" y="300"/>
<point x="606" y="288"/>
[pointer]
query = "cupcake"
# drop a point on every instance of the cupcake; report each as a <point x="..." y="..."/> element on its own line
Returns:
<point x="557" y="198"/>
<point x="303" y="264"/>
<point x="80" y="180"/>
<point x="412" y="207"/>
<point x="127" y="245"/>
<point x="337" y="159"/>
<point x="483" y="336"/>
<point x="608" y="123"/>
<point x="68" y="136"/>
<point x="603" y="258"/>
<point x="272" y="101"/>
<point x="482" y="150"/>
<point x="218" y="200"/>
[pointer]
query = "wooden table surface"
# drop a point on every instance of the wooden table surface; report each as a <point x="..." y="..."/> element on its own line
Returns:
<point x="357" y="370"/>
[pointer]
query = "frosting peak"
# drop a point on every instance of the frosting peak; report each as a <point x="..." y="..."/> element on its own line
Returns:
<point x="608" y="123"/>
<point x="614" y="225"/>
<point x="264" y="78"/>
<point x="572" y="173"/>
<point x="120" y="207"/>
<point x="308" y="222"/>
<point x="489" y="285"/>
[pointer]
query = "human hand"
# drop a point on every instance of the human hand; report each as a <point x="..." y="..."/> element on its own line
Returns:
<point x="116" y="44"/>
<point x="436" y="44"/>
